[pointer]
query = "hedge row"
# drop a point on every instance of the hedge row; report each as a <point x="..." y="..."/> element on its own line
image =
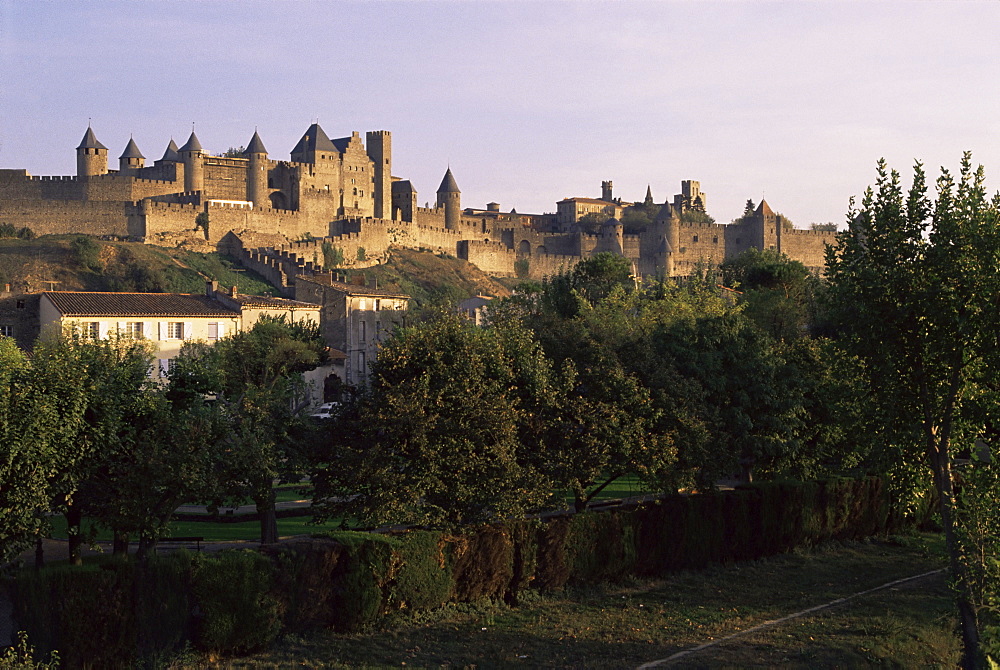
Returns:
<point x="115" y="613"/>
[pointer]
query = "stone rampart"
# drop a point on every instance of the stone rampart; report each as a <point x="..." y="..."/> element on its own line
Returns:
<point x="493" y="258"/>
<point x="57" y="217"/>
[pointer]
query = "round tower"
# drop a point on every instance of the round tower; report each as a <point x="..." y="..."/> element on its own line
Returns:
<point x="449" y="197"/>
<point x="256" y="171"/>
<point x="671" y="235"/>
<point x="91" y="156"/>
<point x="131" y="159"/>
<point x="194" y="166"/>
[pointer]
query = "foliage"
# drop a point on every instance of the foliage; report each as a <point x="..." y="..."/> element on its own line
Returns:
<point x="695" y="216"/>
<point x="915" y="289"/>
<point x="440" y="438"/>
<point x="237" y="612"/>
<point x="255" y="377"/>
<point x="778" y="293"/>
<point x="21" y="656"/>
<point x="362" y="254"/>
<point x="87" y="252"/>
<point x="591" y="223"/>
<point x="8" y="230"/>
<point x="521" y="267"/>
<point x="333" y="257"/>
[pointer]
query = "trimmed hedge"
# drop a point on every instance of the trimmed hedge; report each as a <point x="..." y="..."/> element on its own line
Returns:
<point x="116" y="613"/>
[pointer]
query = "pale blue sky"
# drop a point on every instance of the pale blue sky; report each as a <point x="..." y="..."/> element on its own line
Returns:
<point x="529" y="102"/>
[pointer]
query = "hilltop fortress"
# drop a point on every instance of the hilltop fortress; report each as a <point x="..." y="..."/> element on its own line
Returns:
<point x="336" y="203"/>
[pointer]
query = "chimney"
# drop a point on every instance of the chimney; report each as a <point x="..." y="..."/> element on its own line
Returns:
<point x="232" y="291"/>
<point x="211" y="287"/>
<point x="6" y="288"/>
<point x="375" y="283"/>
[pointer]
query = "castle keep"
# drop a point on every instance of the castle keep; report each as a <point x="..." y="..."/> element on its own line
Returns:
<point x="339" y="196"/>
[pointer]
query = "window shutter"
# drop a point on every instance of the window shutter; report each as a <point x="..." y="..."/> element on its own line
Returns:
<point x="122" y="327"/>
<point x="162" y="335"/>
<point x="188" y="330"/>
<point x="102" y="329"/>
<point x="222" y="329"/>
<point x="164" y="366"/>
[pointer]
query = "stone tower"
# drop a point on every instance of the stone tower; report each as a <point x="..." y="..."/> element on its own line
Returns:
<point x="670" y="241"/>
<point x="378" y="143"/>
<point x="256" y="172"/>
<point x="131" y="159"/>
<point x="766" y="227"/>
<point x="606" y="191"/>
<point x="449" y="197"/>
<point x="91" y="156"/>
<point x="194" y="166"/>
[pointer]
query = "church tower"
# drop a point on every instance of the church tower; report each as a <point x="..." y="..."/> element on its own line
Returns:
<point x="256" y="172"/>
<point x="449" y="197"/>
<point x="91" y="156"/>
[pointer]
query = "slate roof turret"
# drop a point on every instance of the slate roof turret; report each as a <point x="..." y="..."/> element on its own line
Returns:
<point x="314" y="139"/>
<point x="256" y="146"/>
<point x="171" y="153"/>
<point x="132" y="150"/>
<point x="89" y="141"/>
<point x="192" y="144"/>
<point x="448" y="184"/>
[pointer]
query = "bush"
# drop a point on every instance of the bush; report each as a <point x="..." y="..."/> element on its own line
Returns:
<point x="87" y="252"/>
<point x="236" y="611"/>
<point x="22" y="657"/>
<point x="483" y="563"/>
<point x="425" y="578"/>
<point x="85" y="612"/>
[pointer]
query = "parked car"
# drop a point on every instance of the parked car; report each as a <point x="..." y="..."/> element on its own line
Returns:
<point x="325" y="411"/>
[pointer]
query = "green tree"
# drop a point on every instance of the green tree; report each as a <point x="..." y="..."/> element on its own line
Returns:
<point x="592" y="222"/>
<point x="915" y="289"/>
<point x="256" y="379"/>
<point x="441" y="436"/>
<point x="778" y="293"/>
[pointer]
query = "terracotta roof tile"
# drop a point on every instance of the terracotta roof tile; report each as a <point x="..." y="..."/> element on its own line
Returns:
<point x="73" y="303"/>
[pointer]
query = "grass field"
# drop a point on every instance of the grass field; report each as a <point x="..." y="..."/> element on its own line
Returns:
<point x="216" y="531"/>
<point x="626" y="625"/>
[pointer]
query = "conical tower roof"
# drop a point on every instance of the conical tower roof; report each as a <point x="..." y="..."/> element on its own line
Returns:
<point x="255" y="146"/>
<point x="649" y="195"/>
<point x="314" y="140"/>
<point x="448" y="184"/>
<point x="192" y="144"/>
<point x="667" y="212"/>
<point x="132" y="150"/>
<point x="764" y="208"/>
<point x="171" y="153"/>
<point x="89" y="141"/>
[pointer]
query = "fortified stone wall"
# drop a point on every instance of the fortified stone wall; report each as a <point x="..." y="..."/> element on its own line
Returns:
<point x="226" y="178"/>
<point x="19" y="185"/>
<point x="57" y="217"/>
<point x="493" y="258"/>
<point x="807" y="246"/>
<point x="540" y="267"/>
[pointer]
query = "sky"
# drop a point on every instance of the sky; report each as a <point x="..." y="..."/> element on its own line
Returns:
<point x="528" y="102"/>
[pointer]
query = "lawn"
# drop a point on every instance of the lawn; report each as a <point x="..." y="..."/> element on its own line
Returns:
<point x="629" y="624"/>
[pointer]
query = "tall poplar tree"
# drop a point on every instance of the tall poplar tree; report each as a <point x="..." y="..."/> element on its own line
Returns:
<point x="915" y="286"/>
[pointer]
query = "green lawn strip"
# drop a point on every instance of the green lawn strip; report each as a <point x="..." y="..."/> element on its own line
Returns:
<point x="216" y="531"/>
<point x="630" y="624"/>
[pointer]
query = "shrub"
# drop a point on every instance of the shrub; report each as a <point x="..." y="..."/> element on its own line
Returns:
<point x="87" y="252"/>
<point x="236" y="611"/>
<point x="333" y="257"/>
<point x="361" y="578"/>
<point x="21" y="656"/>
<point x="424" y="578"/>
<point x="483" y="563"/>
